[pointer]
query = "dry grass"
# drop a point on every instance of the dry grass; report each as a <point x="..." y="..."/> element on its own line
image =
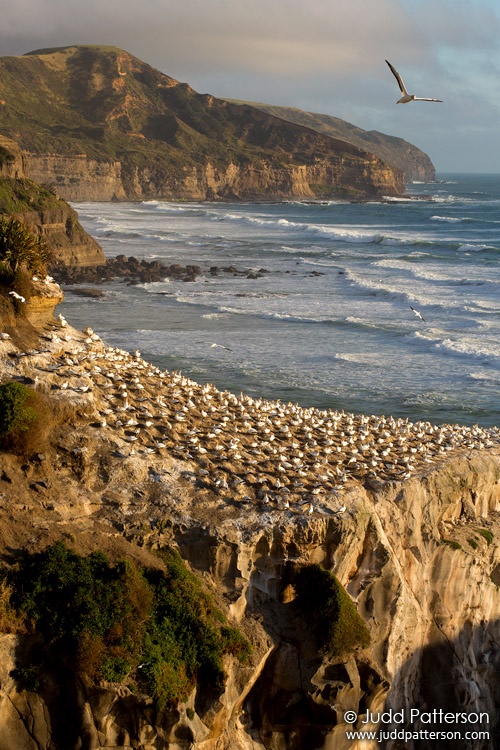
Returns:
<point x="10" y="620"/>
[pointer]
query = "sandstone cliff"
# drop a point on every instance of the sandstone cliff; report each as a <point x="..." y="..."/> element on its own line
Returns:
<point x="42" y="210"/>
<point x="80" y="178"/>
<point x="419" y="555"/>
<point x="415" y="165"/>
<point x="125" y="130"/>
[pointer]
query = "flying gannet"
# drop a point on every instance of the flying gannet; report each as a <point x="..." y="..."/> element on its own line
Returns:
<point x="417" y="313"/>
<point x="406" y="96"/>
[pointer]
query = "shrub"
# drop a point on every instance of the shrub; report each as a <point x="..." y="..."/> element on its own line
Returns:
<point x="28" y="678"/>
<point x="452" y="543"/>
<point x="115" y="668"/>
<point x="15" y="412"/>
<point x="21" y="249"/>
<point x="26" y="418"/>
<point x="10" y="620"/>
<point x="116" y="622"/>
<point x="328" y="606"/>
<point x="187" y="631"/>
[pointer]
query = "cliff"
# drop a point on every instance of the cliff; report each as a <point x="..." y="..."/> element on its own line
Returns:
<point x="138" y="460"/>
<point x="99" y="124"/>
<point x="415" y="165"/>
<point x="43" y="211"/>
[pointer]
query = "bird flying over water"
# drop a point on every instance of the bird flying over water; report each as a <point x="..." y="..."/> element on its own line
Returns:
<point x="416" y="312"/>
<point x="220" y="346"/>
<point x="406" y="96"/>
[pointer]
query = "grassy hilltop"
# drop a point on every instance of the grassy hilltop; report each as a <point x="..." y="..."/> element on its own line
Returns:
<point x="104" y="103"/>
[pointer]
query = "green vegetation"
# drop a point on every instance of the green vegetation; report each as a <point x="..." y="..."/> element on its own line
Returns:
<point x="22" y="252"/>
<point x="157" y="629"/>
<point x="473" y="542"/>
<point x="452" y="543"/>
<point x="20" y="195"/>
<point x="29" y="418"/>
<point x="339" y="627"/>
<point x="486" y="534"/>
<point x="26" y="418"/>
<point x="17" y="412"/>
<point x="68" y="103"/>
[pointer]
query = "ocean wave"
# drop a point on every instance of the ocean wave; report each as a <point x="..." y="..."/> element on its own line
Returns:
<point x="452" y="219"/>
<point x="175" y="208"/>
<point x="481" y="351"/>
<point x="468" y="248"/>
<point x="444" y="275"/>
<point x="489" y="376"/>
<point x="369" y="359"/>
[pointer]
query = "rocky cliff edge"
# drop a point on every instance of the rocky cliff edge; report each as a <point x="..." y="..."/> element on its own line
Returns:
<point x="249" y="491"/>
<point x="40" y="208"/>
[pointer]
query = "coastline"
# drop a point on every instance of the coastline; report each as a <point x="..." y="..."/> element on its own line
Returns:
<point x="249" y="489"/>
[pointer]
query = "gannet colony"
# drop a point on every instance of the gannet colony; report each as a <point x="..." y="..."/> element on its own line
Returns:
<point x="278" y="456"/>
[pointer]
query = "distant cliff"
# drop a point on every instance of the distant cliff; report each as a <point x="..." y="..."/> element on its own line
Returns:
<point x="99" y="124"/>
<point x="39" y="208"/>
<point x="410" y="160"/>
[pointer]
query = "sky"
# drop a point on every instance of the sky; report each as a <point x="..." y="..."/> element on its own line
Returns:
<point x="324" y="56"/>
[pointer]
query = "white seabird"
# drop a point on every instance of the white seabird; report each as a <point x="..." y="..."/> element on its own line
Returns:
<point x="406" y="96"/>
<point x="17" y="296"/>
<point x="417" y="313"/>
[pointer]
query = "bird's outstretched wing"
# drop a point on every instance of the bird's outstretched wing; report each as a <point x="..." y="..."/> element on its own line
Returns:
<point x="406" y="96"/>
<point x="424" y="99"/>
<point x="417" y="313"/>
<point x="398" y="78"/>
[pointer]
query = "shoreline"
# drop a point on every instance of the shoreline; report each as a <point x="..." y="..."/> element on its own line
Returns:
<point x="250" y="491"/>
<point x="283" y="455"/>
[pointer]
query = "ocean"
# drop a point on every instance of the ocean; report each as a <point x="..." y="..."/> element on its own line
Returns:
<point x="315" y="304"/>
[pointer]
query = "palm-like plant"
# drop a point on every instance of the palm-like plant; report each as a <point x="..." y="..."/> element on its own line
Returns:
<point x="21" y="250"/>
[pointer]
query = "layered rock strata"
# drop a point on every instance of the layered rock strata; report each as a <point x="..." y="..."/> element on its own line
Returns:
<point x="42" y="210"/>
<point x="80" y="178"/>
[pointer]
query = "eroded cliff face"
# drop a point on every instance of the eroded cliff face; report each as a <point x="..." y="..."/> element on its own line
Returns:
<point x="128" y="131"/>
<point x="79" y="178"/>
<point x="27" y="198"/>
<point x="12" y="163"/>
<point x="419" y="557"/>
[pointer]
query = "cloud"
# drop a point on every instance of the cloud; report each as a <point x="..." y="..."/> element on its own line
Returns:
<point x="322" y="55"/>
<point x="280" y="37"/>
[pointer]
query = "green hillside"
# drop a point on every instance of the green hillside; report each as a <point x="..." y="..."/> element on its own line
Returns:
<point x="414" y="163"/>
<point x="108" y="105"/>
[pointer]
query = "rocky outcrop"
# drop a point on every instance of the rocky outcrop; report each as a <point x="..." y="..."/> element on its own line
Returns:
<point x="419" y="556"/>
<point x="69" y="243"/>
<point x="42" y="210"/>
<point x="12" y="164"/>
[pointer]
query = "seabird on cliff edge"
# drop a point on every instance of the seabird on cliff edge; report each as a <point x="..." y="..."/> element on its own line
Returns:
<point x="406" y="96"/>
